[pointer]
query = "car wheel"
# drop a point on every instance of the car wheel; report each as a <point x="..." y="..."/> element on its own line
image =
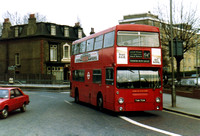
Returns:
<point x="100" y="102"/>
<point x="23" y="108"/>
<point x="4" y="113"/>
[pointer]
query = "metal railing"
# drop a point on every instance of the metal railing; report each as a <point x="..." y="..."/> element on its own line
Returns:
<point x="30" y="79"/>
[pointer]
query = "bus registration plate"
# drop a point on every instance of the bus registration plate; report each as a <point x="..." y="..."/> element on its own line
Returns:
<point x="140" y="100"/>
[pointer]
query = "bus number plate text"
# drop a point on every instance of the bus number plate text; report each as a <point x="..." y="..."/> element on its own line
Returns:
<point x="140" y="100"/>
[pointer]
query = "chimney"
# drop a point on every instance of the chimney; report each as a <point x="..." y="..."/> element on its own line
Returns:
<point x="32" y="19"/>
<point x="77" y="24"/>
<point x="92" y="31"/>
<point x="32" y="27"/>
<point x="6" y="28"/>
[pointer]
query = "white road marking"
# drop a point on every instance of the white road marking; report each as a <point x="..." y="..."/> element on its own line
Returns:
<point x="148" y="127"/>
<point x="68" y="102"/>
<point x="65" y="92"/>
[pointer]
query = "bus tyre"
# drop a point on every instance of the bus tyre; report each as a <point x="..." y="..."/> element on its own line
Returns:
<point x="76" y="97"/>
<point x="100" y="102"/>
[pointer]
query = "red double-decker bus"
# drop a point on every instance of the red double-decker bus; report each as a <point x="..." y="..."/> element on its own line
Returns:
<point x="119" y="69"/>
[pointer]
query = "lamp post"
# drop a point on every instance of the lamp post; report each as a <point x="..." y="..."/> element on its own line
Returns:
<point x="197" y="75"/>
<point x="173" y="93"/>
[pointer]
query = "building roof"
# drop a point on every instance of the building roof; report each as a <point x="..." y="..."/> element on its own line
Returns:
<point x="33" y="29"/>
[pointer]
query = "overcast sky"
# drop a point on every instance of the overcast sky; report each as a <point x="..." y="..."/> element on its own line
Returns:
<point x="99" y="14"/>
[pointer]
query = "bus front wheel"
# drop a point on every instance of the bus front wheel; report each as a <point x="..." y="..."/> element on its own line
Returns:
<point x="100" y="102"/>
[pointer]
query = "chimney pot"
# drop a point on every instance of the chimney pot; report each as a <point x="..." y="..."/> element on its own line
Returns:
<point x="77" y="24"/>
<point x="6" y="20"/>
<point x="32" y="15"/>
<point x="92" y="31"/>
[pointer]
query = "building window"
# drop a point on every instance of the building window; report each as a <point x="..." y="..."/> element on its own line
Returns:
<point x="17" y="59"/>
<point x="66" y="52"/>
<point x="66" y="31"/>
<point x="153" y="23"/>
<point x="53" y="53"/>
<point x="53" y="30"/>
<point x="16" y="31"/>
<point x="80" y="33"/>
<point x="189" y="60"/>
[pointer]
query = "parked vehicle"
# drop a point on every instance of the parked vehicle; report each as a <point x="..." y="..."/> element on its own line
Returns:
<point x="191" y="81"/>
<point x="11" y="99"/>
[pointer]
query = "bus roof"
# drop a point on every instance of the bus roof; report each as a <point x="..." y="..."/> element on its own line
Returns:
<point x="122" y="27"/>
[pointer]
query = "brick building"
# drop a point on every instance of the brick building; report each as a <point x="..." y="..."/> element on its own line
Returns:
<point x="37" y="48"/>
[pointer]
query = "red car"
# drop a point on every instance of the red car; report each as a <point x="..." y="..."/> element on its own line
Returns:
<point x="11" y="99"/>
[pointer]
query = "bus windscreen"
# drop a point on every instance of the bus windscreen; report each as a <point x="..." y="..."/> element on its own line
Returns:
<point x="132" y="78"/>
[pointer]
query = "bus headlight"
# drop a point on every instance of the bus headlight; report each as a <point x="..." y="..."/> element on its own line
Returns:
<point x="121" y="100"/>
<point x="158" y="100"/>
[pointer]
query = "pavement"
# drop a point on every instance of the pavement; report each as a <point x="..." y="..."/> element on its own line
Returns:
<point x="184" y="105"/>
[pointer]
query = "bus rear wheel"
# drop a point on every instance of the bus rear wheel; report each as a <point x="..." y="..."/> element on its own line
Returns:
<point x="99" y="102"/>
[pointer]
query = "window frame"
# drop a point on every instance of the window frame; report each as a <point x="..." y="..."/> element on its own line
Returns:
<point x="98" y="43"/>
<point x="90" y="45"/>
<point x="66" y="53"/>
<point x="97" y="76"/>
<point x="17" y="59"/>
<point x="66" y="31"/>
<point x="53" y="52"/>
<point x="109" y="39"/>
<point x="138" y="39"/>
<point x="109" y="80"/>
<point x="53" y="30"/>
<point x="82" y="50"/>
<point x="80" y="35"/>
<point x="78" y="75"/>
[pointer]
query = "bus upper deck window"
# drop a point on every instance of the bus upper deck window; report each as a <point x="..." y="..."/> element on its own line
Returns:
<point x="137" y="39"/>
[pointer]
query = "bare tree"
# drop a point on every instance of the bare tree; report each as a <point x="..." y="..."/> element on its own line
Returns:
<point x="16" y="19"/>
<point x="186" y="24"/>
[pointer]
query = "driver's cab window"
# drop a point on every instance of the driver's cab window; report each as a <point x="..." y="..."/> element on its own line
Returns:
<point x="109" y="76"/>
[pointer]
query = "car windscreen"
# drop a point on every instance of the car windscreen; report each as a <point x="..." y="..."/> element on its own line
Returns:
<point x="3" y="93"/>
